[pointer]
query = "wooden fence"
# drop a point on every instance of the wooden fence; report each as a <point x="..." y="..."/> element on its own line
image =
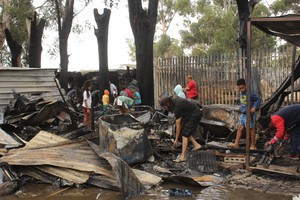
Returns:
<point x="216" y="76"/>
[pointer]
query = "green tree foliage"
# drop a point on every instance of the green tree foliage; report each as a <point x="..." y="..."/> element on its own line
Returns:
<point x="283" y="7"/>
<point x="167" y="47"/>
<point x="18" y="11"/>
<point x="167" y="11"/>
<point x="216" y="30"/>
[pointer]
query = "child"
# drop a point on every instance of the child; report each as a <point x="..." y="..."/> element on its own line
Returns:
<point x="137" y="98"/>
<point x="254" y="104"/>
<point x="87" y="103"/>
<point x="105" y="99"/>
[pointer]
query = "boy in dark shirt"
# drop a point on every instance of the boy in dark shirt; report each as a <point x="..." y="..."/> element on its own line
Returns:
<point x="188" y="115"/>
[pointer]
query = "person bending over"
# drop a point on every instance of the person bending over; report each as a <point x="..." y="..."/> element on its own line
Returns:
<point x="188" y="115"/>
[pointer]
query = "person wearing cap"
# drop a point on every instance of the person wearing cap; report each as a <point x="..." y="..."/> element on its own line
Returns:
<point x="191" y="88"/>
<point x="285" y="120"/>
<point x="188" y="115"/>
<point x="105" y="99"/>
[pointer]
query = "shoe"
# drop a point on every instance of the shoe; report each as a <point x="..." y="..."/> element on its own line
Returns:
<point x="232" y="145"/>
<point x="291" y="156"/>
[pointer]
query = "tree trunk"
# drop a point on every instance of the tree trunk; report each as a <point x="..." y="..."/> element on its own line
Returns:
<point x="5" y="22"/>
<point x="143" y="27"/>
<point x="243" y="18"/>
<point x="102" y="38"/>
<point x="64" y="30"/>
<point x="15" y="49"/>
<point x="2" y="36"/>
<point x="35" y="46"/>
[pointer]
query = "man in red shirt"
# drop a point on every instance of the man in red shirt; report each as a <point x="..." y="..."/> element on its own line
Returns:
<point x="191" y="88"/>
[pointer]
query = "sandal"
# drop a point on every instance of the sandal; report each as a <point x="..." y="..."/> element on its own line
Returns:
<point x="178" y="160"/>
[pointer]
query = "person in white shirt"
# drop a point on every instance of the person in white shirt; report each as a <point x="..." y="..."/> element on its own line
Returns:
<point x="113" y="90"/>
<point x="87" y="103"/>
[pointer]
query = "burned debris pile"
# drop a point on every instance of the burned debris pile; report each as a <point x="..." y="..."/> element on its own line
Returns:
<point x="41" y="139"/>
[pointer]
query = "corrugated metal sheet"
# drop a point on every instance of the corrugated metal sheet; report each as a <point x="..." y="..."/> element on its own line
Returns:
<point x="27" y="81"/>
<point x="49" y="149"/>
<point x="203" y="161"/>
<point x="7" y="140"/>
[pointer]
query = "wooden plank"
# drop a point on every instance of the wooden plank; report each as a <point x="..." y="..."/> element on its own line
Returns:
<point x="286" y="170"/>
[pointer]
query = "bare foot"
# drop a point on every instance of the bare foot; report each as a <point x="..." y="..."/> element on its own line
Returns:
<point x="196" y="148"/>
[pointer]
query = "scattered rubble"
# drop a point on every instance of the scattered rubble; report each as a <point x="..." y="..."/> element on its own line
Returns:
<point x="42" y="140"/>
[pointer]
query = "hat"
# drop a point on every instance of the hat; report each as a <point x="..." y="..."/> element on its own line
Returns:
<point x="264" y="121"/>
<point x="106" y="92"/>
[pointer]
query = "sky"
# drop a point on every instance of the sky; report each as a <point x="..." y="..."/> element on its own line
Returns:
<point x="83" y="48"/>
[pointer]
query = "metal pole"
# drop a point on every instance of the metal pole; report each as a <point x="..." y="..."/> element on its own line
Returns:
<point x="293" y="76"/>
<point x="248" y="89"/>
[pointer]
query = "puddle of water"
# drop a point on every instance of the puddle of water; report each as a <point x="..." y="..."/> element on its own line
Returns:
<point x="217" y="192"/>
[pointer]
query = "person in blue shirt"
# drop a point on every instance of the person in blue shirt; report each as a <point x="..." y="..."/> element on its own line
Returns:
<point x="178" y="91"/>
<point x="254" y="104"/>
<point x="137" y="98"/>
